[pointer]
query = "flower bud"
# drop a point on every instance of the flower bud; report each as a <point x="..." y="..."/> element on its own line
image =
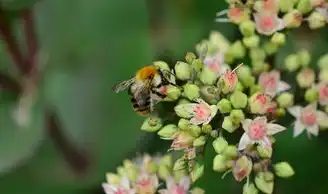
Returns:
<point x="323" y="75"/>
<point x="249" y="81"/>
<point x="292" y="62"/>
<point x="163" y="172"/>
<point x="305" y="78"/>
<point x="293" y="19"/>
<point x="168" y="131"/>
<point x="323" y="62"/>
<point x="220" y="144"/>
<point x="183" y="101"/>
<point x="207" y="128"/>
<point x="228" y="57"/>
<point x="311" y="95"/>
<point x="250" y="189"/>
<point x="326" y="109"/>
<point x="285" y="100"/>
<point x="200" y="141"/>
<point x="210" y="94"/>
<point x="268" y="176"/>
<point x="257" y="54"/>
<point x="240" y="87"/>
<point x="258" y="66"/>
<point x="230" y="151"/>
<point x="195" y="130"/>
<point x="220" y="41"/>
<point x="181" y="111"/>
<point x="113" y="179"/>
<point x="255" y="88"/>
<point x="280" y="112"/>
<point x="121" y="171"/>
<point x="304" y="57"/>
<point x="161" y="65"/>
<point x="190" y="57"/>
<point x="237" y="115"/>
<point x="286" y="6"/>
<point x="179" y="164"/>
<point x="251" y="41"/>
<point x="224" y="106"/>
<point x="166" y="160"/>
<point x="228" y="125"/>
<point x="278" y="38"/>
<point x="304" y="6"/>
<point x="243" y="72"/>
<point x="237" y="50"/>
<point x="316" y="20"/>
<point x="197" y="65"/>
<point x="173" y="92"/>
<point x="191" y="91"/>
<point x="264" y="152"/>
<point x="219" y="163"/>
<point x="270" y="48"/>
<point x="182" y="70"/>
<point x="247" y="28"/>
<point x="243" y="168"/>
<point x="132" y="173"/>
<point x="152" y="124"/>
<point x="283" y="170"/>
<point x="238" y="99"/>
<point x="214" y="134"/>
<point x="262" y="185"/>
<point x="207" y="76"/>
<point x="182" y="140"/>
<point x="197" y="190"/>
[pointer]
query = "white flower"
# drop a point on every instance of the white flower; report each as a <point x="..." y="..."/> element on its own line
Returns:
<point x="216" y="63"/>
<point x="123" y="188"/>
<point x="307" y="118"/>
<point x="271" y="83"/>
<point x="172" y="188"/>
<point x="257" y="131"/>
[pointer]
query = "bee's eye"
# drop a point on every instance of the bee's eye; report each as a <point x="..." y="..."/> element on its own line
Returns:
<point x="150" y="76"/>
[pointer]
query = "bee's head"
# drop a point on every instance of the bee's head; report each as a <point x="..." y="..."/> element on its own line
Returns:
<point x="146" y="73"/>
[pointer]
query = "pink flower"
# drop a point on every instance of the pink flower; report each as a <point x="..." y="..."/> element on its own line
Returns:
<point x="123" y="188"/>
<point x="307" y="118"/>
<point x="271" y="83"/>
<point x="230" y="80"/>
<point x="182" y="140"/>
<point x="257" y="131"/>
<point x="242" y="168"/>
<point x="172" y="188"/>
<point x="323" y="93"/>
<point x="216" y="63"/>
<point x="261" y="103"/>
<point x="317" y="3"/>
<point x="235" y="15"/>
<point x="268" y="23"/>
<point x="271" y="6"/>
<point x="146" y="184"/>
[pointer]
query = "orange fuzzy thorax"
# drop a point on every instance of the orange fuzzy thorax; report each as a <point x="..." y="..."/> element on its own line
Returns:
<point x="146" y="73"/>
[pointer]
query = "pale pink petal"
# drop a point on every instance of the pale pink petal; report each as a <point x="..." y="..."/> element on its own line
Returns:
<point x="154" y="180"/>
<point x="322" y="117"/>
<point x="314" y="130"/>
<point x="262" y="120"/>
<point x="312" y="106"/>
<point x="282" y="86"/>
<point x="109" y="189"/>
<point x="246" y="123"/>
<point x="125" y="182"/>
<point x="274" y="128"/>
<point x="195" y="121"/>
<point x="244" y="141"/>
<point x="295" y="111"/>
<point x="298" y="128"/>
<point x="265" y="142"/>
<point x="281" y="24"/>
<point x="170" y="184"/>
<point x="163" y="191"/>
<point x="185" y="183"/>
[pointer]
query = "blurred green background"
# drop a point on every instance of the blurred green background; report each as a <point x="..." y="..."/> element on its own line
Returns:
<point x="95" y="44"/>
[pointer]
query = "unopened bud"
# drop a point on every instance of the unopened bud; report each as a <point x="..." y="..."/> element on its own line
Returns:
<point x="113" y="179"/>
<point x="304" y="6"/>
<point x="168" y="131"/>
<point x="163" y="172"/>
<point x="220" y="144"/>
<point x="183" y="124"/>
<point x="238" y="99"/>
<point x="247" y="28"/>
<point x="197" y="172"/>
<point x="152" y="124"/>
<point x="197" y="190"/>
<point x="304" y="57"/>
<point x="195" y="130"/>
<point x="207" y="76"/>
<point x="268" y="176"/>
<point x="182" y="70"/>
<point x="173" y="92"/>
<point x="280" y="112"/>
<point x="237" y="50"/>
<point x="224" y="106"/>
<point x="305" y="78"/>
<point x="200" y="141"/>
<point x="285" y="100"/>
<point x="179" y="164"/>
<point x="262" y="185"/>
<point x="316" y="20"/>
<point x="161" y="65"/>
<point x="264" y="152"/>
<point x="311" y="95"/>
<point x="191" y="91"/>
<point x="286" y="6"/>
<point x="190" y="57"/>
<point x="278" y="38"/>
<point x="219" y="163"/>
<point x="257" y="54"/>
<point x="255" y="88"/>
<point x="210" y="94"/>
<point x="237" y="115"/>
<point x="230" y="151"/>
<point x="250" y="189"/>
<point x="292" y="62"/>
<point x="283" y="170"/>
<point x="206" y="128"/>
<point x="270" y="48"/>
<point x="228" y="125"/>
<point x="323" y="75"/>
<point x="323" y="62"/>
<point x="293" y="19"/>
<point x="251" y="41"/>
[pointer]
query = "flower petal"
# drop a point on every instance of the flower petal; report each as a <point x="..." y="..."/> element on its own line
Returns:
<point x="262" y="120"/>
<point x="246" y="123"/>
<point x="265" y="142"/>
<point x="185" y="110"/>
<point x="244" y="141"/>
<point x="298" y="128"/>
<point x="125" y="182"/>
<point x="322" y="119"/>
<point x="281" y="24"/>
<point x="314" y="130"/>
<point x="170" y="184"/>
<point x="195" y="121"/>
<point x="282" y="86"/>
<point x="295" y="111"/>
<point x="185" y="183"/>
<point x="274" y="128"/>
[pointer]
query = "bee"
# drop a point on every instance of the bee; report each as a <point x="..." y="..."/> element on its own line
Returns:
<point x="145" y="89"/>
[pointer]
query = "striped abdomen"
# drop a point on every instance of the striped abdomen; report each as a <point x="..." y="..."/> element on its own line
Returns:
<point x="141" y="103"/>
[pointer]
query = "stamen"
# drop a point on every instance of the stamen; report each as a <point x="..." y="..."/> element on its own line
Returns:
<point x="222" y="20"/>
<point x="237" y="67"/>
<point x="221" y="13"/>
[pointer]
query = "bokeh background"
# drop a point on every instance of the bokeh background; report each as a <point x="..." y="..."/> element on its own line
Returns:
<point x="95" y="44"/>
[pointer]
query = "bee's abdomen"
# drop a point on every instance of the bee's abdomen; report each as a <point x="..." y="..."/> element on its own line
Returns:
<point x="142" y="107"/>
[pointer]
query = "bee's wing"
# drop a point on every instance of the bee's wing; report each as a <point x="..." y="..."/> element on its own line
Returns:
<point x="124" y="85"/>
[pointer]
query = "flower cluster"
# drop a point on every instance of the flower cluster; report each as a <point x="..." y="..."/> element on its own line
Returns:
<point x="148" y="175"/>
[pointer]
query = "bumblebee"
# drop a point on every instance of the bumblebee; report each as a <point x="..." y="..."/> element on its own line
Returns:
<point x="145" y="89"/>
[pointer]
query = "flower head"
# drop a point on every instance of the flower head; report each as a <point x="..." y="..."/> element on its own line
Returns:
<point x="216" y="63"/>
<point x="123" y="188"/>
<point x="237" y="15"/>
<point x="267" y="24"/>
<point x="172" y="188"/>
<point x="257" y="131"/>
<point x="271" y="83"/>
<point x="323" y="93"/>
<point x="146" y="184"/>
<point x="260" y="103"/>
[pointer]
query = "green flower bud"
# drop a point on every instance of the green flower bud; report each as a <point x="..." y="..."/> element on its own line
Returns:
<point x="220" y="41"/>
<point x="183" y="124"/>
<point x="293" y="19"/>
<point x="244" y="72"/>
<point x="250" y="189"/>
<point x="270" y="48"/>
<point x="264" y="152"/>
<point x="210" y="94"/>
<point x="316" y="20"/>
<point x="220" y="144"/>
<point x="152" y="124"/>
<point x="168" y="131"/>
<point x="255" y="89"/>
<point x="214" y="133"/>
<point x="120" y="170"/>
<point x="247" y="28"/>
<point x="197" y="172"/>
<point x="231" y="151"/>
<point x="249" y="81"/>
<point x="197" y="65"/>
<point x="323" y="62"/>
<point x="191" y="91"/>
<point x="183" y="101"/>
<point x="323" y="75"/>
<point x="283" y="170"/>
<point x="229" y="58"/>
<point x="285" y="99"/>
<point x="326" y="108"/>
<point x="251" y="41"/>
<point x="280" y="112"/>
<point x="207" y="76"/>
<point x="132" y="173"/>
<point x="311" y="95"/>
<point x="195" y="130"/>
<point x="181" y="111"/>
<point x="228" y="125"/>
<point x="113" y="178"/>
<point x="163" y="172"/>
<point x="292" y="62"/>
<point x="258" y="66"/>
<point x="224" y="106"/>
<point x="200" y="141"/>
<point x="278" y="38"/>
<point x="179" y="174"/>
<point x="161" y="65"/>
<point x="237" y="115"/>
<point x="219" y="163"/>
<point x="197" y="190"/>
<point x="304" y="57"/>
<point x="305" y="78"/>
<point x="257" y="54"/>
<point x="182" y="70"/>
<point x="166" y="160"/>
<point x="207" y="128"/>
<point x="268" y="176"/>
<point x="179" y="164"/>
<point x="262" y="185"/>
<point x="190" y="57"/>
<point x="238" y="99"/>
<point x="304" y="6"/>
<point x="286" y="6"/>
<point x="173" y="92"/>
<point x="237" y="50"/>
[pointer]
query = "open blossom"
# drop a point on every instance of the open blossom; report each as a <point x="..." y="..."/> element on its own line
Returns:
<point x="237" y="15"/>
<point x="323" y="93"/>
<point x="271" y="83"/>
<point x="172" y="188"/>
<point x="261" y="103"/>
<point x="307" y="118"/>
<point x="146" y="184"/>
<point x="229" y="80"/>
<point x="242" y="168"/>
<point x="123" y="188"/>
<point x="216" y="63"/>
<point x="257" y="131"/>
<point x="268" y="23"/>
<point x="182" y="140"/>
